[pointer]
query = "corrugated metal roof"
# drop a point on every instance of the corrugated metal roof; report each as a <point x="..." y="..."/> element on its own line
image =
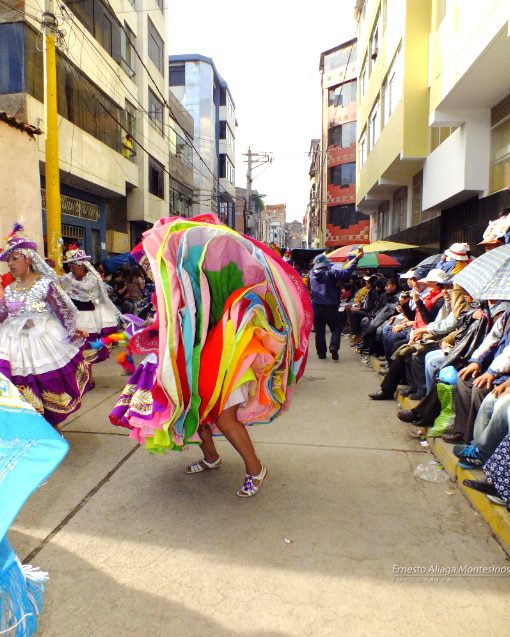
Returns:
<point x="15" y="123"/>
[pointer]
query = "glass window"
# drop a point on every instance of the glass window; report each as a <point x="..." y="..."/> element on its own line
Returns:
<point x="343" y="135"/>
<point x="343" y="216"/>
<point x="337" y="59"/>
<point x="500" y="141"/>
<point x="343" y="175"/>
<point x="343" y="94"/>
<point x="362" y="150"/>
<point x="177" y="75"/>
<point x="12" y="48"/>
<point x="363" y="78"/>
<point x="155" y="112"/>
<point x="373" y="47"/>
<point x="374" y="125"/>
<point x="156" y="47"/>
<point x="156" y="178"/>
<point x="184" y="151"/>
<point x="399" y="209"/>
<point x="127" y="50"/>
<point x="392" y="88"/>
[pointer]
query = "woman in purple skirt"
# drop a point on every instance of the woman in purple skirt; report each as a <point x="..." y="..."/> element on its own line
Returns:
<point x="40" y="347"/>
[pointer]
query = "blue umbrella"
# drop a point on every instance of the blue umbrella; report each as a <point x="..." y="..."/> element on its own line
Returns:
<point x="487" y="277"/>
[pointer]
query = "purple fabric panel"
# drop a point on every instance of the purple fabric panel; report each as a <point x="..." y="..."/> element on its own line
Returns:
<point x="142" y="379"/>
<point x="55" y="382"/>
<point x="65" y="314"/>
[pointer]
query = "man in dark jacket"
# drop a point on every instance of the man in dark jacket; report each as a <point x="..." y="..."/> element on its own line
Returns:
<point x="325" y="280"/>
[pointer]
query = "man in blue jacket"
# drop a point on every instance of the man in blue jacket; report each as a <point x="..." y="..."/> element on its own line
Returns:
<point x="325" y="280"/>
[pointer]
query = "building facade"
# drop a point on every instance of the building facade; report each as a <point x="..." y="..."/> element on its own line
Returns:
<point x="273" y="224"/>
<point x="433" y="112"/>
<point x="181" y="158"/>
<point x="312" y="227"/>
<point x="197" y="84"/>
<point x="342" y="222"/>
<point x="113" y="142"/>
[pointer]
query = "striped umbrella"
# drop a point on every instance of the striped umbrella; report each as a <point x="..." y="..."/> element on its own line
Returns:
<point x="342" y="254"/>
<point x="374" y="260"/>
<point x="488" y="276"/>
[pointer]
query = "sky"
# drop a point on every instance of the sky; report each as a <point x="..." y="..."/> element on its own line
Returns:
<point x="268" y="52"/>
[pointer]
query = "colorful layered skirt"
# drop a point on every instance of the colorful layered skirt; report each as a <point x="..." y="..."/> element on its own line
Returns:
<point x="232" y="328"/>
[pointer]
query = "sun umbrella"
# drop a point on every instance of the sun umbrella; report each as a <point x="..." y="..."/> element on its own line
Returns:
<point x="429" y="261"/>
<point x="488" y="276"/>
<point x="387" y="246"/>
<point x="377" y="261"/>
<point x="341" y="254"/>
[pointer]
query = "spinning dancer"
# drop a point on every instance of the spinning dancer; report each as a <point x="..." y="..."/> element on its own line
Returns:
<point x="30" y="450"/>
<point x="40" y="347"/>
<point x="227" y="345"/>
<point x="97" y="315"/>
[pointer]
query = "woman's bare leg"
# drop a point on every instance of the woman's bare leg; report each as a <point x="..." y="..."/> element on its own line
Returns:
<point x="239" y="438"/>
<point x="208" y="447"/>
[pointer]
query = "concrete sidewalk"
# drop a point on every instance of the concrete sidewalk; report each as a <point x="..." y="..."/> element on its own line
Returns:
<point x="136" y="548"/>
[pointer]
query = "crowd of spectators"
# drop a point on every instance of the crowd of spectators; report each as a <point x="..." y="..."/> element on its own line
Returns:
<point x="445" y="350"/>
<point x="130" y="289"/>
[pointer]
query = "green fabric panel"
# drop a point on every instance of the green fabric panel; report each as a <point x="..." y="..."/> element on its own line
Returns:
<point x="221" y="284"/>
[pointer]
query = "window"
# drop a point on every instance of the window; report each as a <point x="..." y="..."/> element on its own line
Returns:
<point x="362" y="151"/>
<point x="101" y="22"/>
<point x="373" y="46"/>
<point x="156" y="178"/>
<point x="183" y="150"/>
<point x="343" y="135"/>
<point x="343" y="175"/>
<point x="337" y="59"/>
<point x="399" y="209"/>
<point x="127" y="50"/>
<point x="343" y="94"/>
<point x="417" y="197"/>
<point x="374" y="125"/>
<point x="226" y="134"/>
<point x="392" y="88"/>
<point x="500" y="145"/>
<point x="155" y="112"/>
<point x="226" y="169"/>
<point x="363" y="78"/>
<point x="223" y="96"/>
<point x="129" y="131"/>
<point x="177" y="75"/>
<point x="156" y="47"/>
<point x="343" y="216"/>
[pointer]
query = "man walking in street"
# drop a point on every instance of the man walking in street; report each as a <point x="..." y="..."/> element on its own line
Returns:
<point x="325" y="282"/>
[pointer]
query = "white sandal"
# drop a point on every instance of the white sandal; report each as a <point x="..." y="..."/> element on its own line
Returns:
<point x="202" y="465"/>
<point x="248" y="489"/>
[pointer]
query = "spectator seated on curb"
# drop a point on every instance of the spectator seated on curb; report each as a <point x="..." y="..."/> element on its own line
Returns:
<point x="476" y="322"/>
<point x="426" y="312"/>
<point x="363" y="308"/>
<point x="371" y="327"/>
<point x="491" y="426"/>
<point x="455" y="258"/>
<point x="486" y="367"/>
<point x="397" y="329"/>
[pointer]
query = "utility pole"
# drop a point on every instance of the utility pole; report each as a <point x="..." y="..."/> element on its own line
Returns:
<point x="249" y="179"/>
<point x="254" y="160"/>
<point x="53" y="206"/>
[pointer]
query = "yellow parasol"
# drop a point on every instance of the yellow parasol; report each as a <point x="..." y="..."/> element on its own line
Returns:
<point x="387" y="246"/>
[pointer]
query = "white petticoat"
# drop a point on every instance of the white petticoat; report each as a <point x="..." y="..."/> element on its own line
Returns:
<point x="35" y="345"/>
<point x="93" y="321"/>
<point x="238" y="396"/>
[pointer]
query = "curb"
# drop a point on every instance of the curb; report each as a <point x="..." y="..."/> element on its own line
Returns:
<point x="497" y="517"/>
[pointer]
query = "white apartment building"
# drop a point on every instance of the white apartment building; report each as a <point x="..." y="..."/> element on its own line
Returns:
<point x="196" y="82"/>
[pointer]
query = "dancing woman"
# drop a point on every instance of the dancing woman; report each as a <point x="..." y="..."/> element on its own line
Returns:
<point x="40" y="346"/>
<point x="226" y="348"/>
<point x="97" y="315"/>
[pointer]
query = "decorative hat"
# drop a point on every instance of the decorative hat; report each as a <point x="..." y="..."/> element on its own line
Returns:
<point x="496" y="231"/>
<point x="458" y="252"/>
<point x="75" y="254"/>
<point x="321" y="261"/>
<point x="435" y="276"/>
<point x="16" y="242"/>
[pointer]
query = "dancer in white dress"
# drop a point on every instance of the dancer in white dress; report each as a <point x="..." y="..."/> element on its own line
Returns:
<point x="97" y="315"/>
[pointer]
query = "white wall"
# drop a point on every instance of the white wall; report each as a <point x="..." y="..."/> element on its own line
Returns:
<point x="19" y="184"/>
